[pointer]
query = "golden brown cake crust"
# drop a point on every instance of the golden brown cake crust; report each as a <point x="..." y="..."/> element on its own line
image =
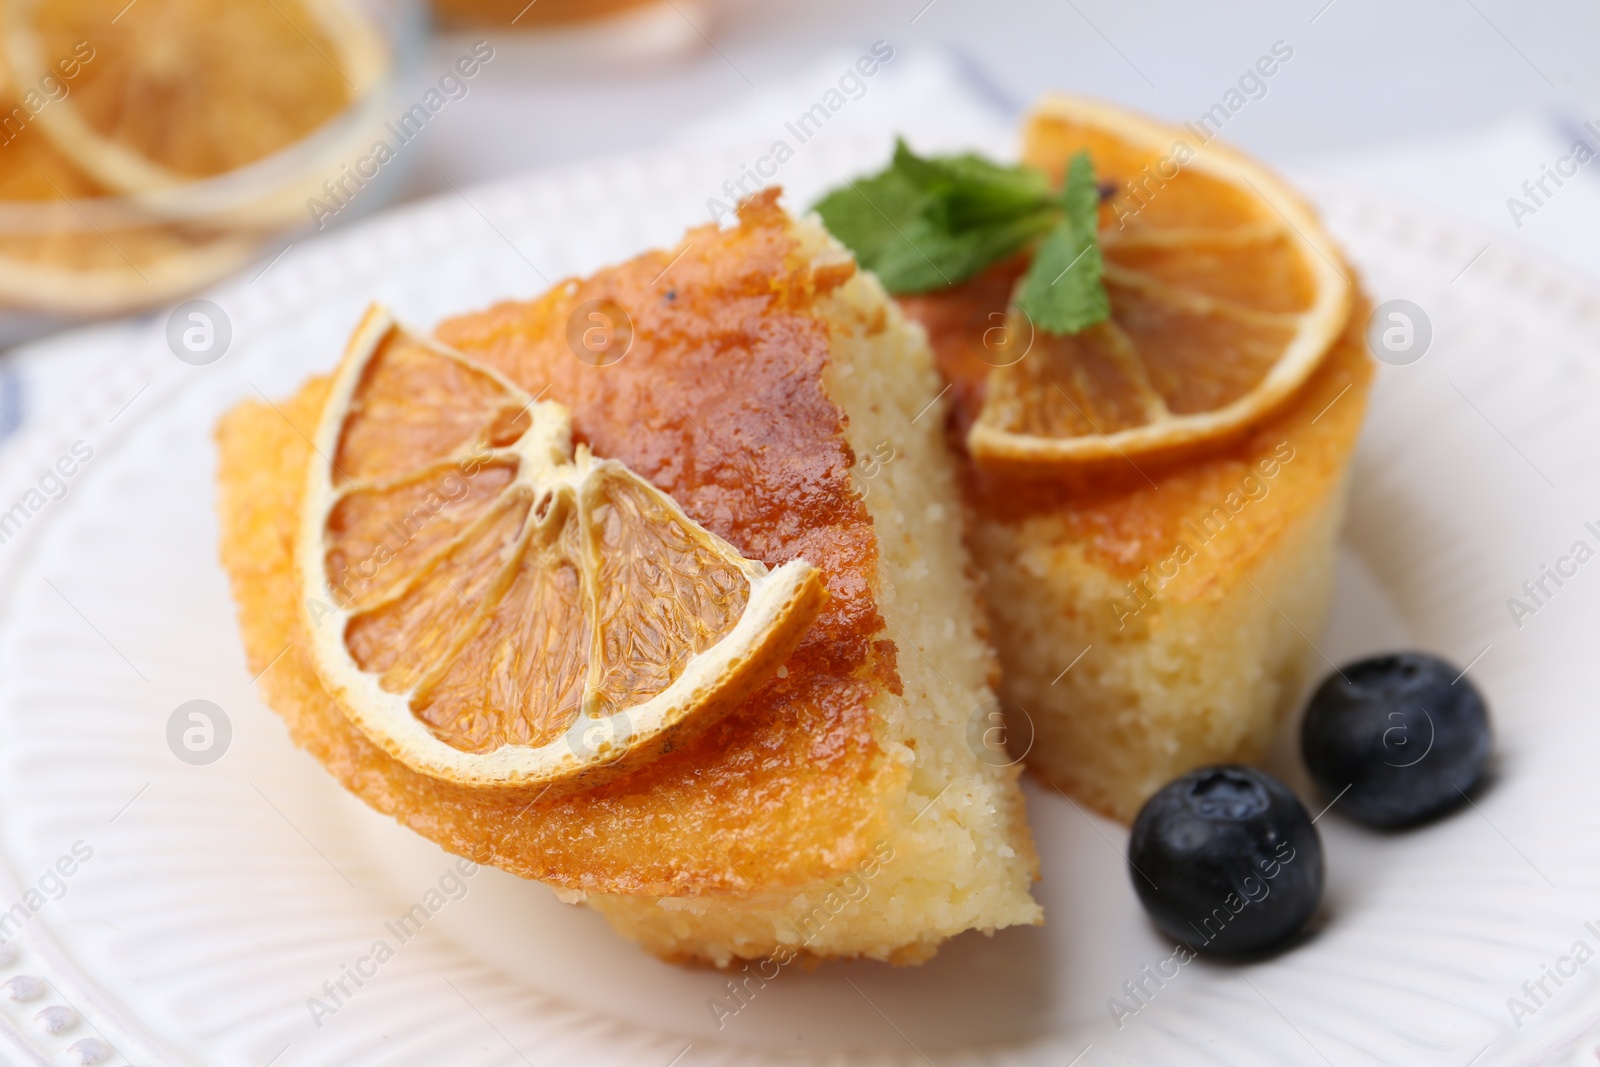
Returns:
<point x="719" y="402"/>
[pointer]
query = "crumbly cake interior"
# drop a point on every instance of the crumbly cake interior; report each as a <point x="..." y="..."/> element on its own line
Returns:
<point x="956" y="853"/>
<point x="1183" y="596"/>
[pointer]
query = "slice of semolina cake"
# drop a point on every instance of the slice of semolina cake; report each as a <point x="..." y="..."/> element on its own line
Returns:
<point x="1155" y="616"/>
<point x="1193" y="601"/>
<point x="848" y="808"/>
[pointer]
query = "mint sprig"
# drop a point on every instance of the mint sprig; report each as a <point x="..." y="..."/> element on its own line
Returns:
<point x="1064" y="291"/>
<point x="927" y="223"/>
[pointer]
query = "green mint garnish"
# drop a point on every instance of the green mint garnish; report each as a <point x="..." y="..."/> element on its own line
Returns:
<point x="927" y="223"/>
<point x="1064" y="291"/>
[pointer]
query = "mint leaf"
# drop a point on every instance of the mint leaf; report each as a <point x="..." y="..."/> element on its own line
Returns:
<point x="1063" y="291"/>
<point x="928" y="223"/>
<point x="970" y="191"/>
<point x="869" y="216"/>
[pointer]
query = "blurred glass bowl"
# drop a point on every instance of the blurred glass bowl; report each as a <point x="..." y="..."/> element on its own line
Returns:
<point x="135" y="176"/>
<point x="529" y="14"/>
<point x="564" y="39"/>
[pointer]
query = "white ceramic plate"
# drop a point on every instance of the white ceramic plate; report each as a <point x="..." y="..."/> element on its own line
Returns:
<point x="217" y="899"/>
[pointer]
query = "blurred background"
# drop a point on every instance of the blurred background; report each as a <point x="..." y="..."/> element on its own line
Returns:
<point x="149" y="148"/>
<point x="1450" y="103"/>
<point x="1367" y="75"/>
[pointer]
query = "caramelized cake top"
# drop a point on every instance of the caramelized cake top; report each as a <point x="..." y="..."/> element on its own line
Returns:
<point x="719" y="401"/>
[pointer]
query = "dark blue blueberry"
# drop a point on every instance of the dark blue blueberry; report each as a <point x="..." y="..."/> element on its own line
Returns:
<point x="1407" y="733"/>
<point x="1225" y="860"/>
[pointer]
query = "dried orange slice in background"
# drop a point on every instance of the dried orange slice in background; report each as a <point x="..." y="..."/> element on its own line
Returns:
<point x="496" y="607"/>
<point x="178" y="90"/>
<point x="58" y="256"/>
<point x="1225" y="295"/>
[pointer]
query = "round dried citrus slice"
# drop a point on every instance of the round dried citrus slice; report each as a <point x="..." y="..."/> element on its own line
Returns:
<point x="65" y="247"/>
<point x="1225" y="295"/>
<point x="166" y="91"/>
<point x="496" y="607"/>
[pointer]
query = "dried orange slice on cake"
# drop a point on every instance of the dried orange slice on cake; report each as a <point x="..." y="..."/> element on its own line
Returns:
<point x="1225" y="295"/>
<point x="494" y="606"/>
<point x="169" y="91"/>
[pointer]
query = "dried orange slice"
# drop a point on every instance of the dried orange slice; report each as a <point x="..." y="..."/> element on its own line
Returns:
<point x="167" y="91"/>
<point x="1225" y="295"/>
<point x="93" y="256"/>
<point x="494" y="607"/>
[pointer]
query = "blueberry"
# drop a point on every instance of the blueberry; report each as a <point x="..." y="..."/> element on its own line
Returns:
<point x="1407" y="733"/>
<point x="1225" y="860"/>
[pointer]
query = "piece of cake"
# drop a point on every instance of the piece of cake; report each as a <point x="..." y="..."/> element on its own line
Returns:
<point x="1157" y="613"/>
<point x="842" y="810"/>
